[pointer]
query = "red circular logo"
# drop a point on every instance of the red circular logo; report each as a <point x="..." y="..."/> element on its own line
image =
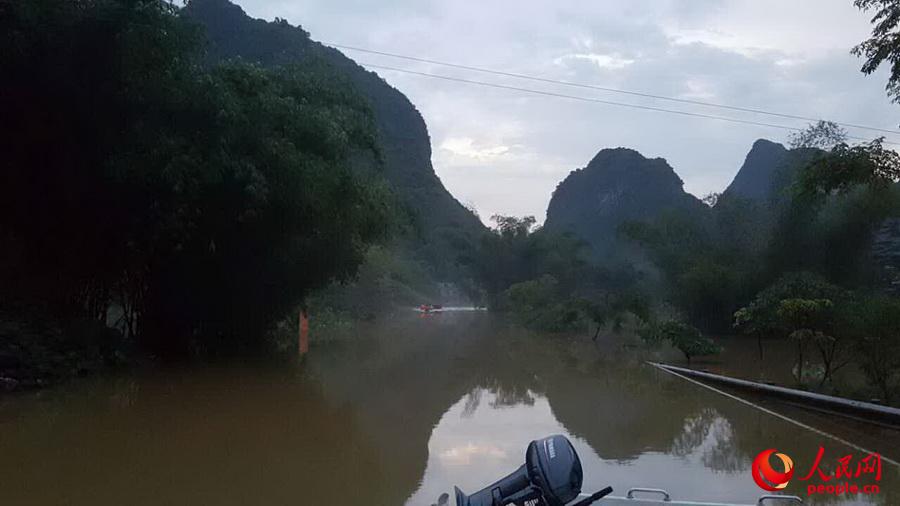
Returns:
<point x="767" y="477"/>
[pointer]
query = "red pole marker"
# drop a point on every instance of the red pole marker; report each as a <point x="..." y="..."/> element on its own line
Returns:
<point x="304" y="332"/>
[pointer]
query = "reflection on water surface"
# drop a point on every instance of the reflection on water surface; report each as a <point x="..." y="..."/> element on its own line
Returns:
<point x="399" y="415"/>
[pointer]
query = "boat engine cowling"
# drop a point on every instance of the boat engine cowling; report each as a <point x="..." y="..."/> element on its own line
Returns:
<point x="551" y="476"/>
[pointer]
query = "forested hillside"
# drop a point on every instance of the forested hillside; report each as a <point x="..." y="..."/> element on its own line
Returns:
<point x="443" y="230"/>
<point x="181" y="180"/>
<point x="801" y="244"/>
<point x="152" y="201"/>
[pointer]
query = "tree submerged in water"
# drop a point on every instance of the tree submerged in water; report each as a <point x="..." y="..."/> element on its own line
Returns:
<point x="875" y="328"/>
<point x="683" y="336"/>
<point x="801" y="306"/>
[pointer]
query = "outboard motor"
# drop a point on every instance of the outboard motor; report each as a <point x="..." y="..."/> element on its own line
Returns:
<point x="551" y="476"/>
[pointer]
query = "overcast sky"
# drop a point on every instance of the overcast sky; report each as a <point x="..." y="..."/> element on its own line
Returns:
<point x="504" y="151"/>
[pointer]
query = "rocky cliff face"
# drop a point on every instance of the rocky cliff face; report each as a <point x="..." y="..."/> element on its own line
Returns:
<point x="617" y="186"/>
<point x="403" y="136"/>
<point x="757" y="176"/>
<point x="746" y="211"/>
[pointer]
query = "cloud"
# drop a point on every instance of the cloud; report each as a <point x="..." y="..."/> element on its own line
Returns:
<point x="505" y="151"/>
<point x="713" y="38"/>
<point x="466" y="147"/>
<point x="601" y="60"/>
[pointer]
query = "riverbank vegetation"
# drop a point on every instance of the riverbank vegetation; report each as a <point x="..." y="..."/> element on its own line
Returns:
<point x="803" y="272"/>
<point x="162" y="197"/>
<point x="169" y="205"/>
<point x="810" y="279"/>
<point x="805" y="266"/>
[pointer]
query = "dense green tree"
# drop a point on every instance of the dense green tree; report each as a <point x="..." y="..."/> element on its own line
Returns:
<point x="800" y="306"/>
<point x="839" y="198"/>
<point x="809" y="321"/>
<point x="821" y="135"/>
<point x="884" y="45"/>
<point x="844" y="167"/>
<point x="516" y="250"/>
<point x="683" y="336"/>
<point x="548" y="281"/>
<point x="833" y="198"/>
<point x="79" y="79"/>
<point x="614" y="307"/>
<point x="876" y="325"/>
<point x="278" y="211"/>
<point x="703" y="275"/>
<point x="202" y="202"/>
<point x="540" y="304"/>
<point x="443" y="234"/>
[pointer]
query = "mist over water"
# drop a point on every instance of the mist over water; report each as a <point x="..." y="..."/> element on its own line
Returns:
<point x="399" y="415"/>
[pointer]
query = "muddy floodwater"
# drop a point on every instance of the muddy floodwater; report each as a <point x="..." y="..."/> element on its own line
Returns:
<point x="397" y="416"/>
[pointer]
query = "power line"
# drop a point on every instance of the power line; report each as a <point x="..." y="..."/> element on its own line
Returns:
<point x="607" y="89"/>
<point x="596" y="100"/>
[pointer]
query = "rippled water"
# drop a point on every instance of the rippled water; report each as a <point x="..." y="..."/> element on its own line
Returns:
<point x="398" y="415"/>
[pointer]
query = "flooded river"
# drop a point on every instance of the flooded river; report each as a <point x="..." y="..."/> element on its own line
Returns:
<point x="397" y="416"/>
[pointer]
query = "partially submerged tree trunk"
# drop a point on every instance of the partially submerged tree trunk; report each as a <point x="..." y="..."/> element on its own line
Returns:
<point x="829" y="351"/>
